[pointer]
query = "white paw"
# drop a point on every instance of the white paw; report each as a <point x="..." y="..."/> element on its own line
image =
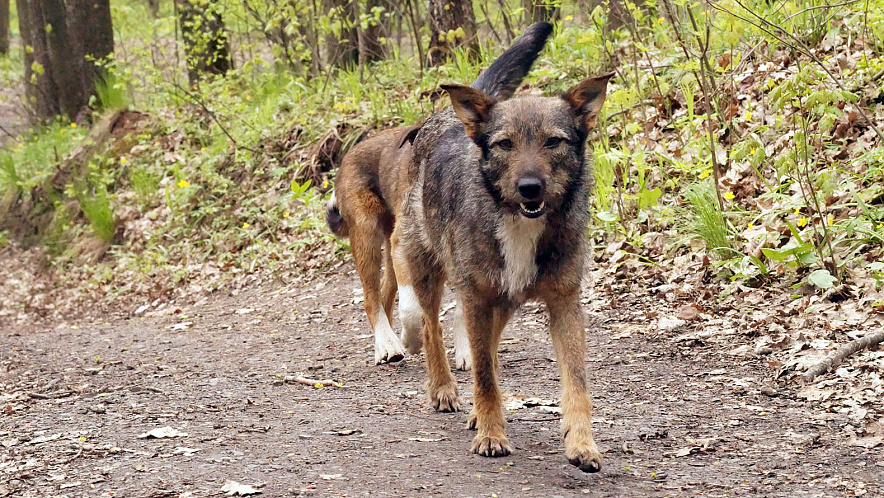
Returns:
<point x="387" y="346"/>
<point x="463" y="358"/>
<point x="412" y="324"/>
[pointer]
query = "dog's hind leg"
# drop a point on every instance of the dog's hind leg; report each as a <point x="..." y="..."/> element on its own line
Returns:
<point x="463" y="358"/>
<point x="569" y="340"/>
<point x="388" y="284"/>
<point x="366" y="244"/>
<point x="409" y="308"/>
<point x="485" y="323"/>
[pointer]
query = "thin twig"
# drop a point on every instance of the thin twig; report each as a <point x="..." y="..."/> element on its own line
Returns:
<point x="7" y="133"/>
<point x="310" y="382"/>
<point x="841" y="354"/>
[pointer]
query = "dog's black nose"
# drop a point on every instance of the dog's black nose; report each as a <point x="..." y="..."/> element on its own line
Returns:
<point x="531" y="188"/>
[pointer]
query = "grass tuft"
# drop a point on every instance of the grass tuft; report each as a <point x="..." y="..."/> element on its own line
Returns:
<point x="706" y="221"/>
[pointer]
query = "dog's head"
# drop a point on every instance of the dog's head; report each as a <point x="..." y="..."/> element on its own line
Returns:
<point x="532" y="147"/>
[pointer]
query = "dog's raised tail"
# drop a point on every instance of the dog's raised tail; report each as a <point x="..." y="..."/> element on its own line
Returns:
<point x="336" y="222"/>
<point x="503" y="77"/>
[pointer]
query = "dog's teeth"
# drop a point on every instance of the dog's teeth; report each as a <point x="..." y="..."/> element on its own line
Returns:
<point x="532" y="211"/>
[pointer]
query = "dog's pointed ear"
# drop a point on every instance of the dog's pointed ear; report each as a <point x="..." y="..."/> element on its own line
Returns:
<point x="586" y="100"/>
<point x="409" y="134"/>
<point x="472" y="107"/>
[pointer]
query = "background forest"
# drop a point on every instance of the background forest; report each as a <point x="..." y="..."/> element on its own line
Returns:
<point x="187" y="143"/>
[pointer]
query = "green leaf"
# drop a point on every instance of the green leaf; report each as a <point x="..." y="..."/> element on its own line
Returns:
<point x="607" y="216"/>
<point x="799" y="251"/>
<point x="775" y="254"/>
<point x="648" y="198"/>
<point x="822" y="279"/>
<point x="807" y="258"/>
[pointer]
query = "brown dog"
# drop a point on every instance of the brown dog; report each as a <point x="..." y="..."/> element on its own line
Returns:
<point x="498" y="206"/>
<point x="368" y="199"/>
<point x="368" y="190"/>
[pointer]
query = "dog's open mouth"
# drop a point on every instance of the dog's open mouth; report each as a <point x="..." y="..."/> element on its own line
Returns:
<point x="532" y="209"/>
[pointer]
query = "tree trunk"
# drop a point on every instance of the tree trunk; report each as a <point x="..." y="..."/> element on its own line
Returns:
<point x="539" y="10"/>
<point x="65" y="68"/>
<point x="57" y="38"/>
<point x="452" y="24"/>
<point x="40" y="87"/>
<point x="92" y="35"/>
<point x="4" y="27"/>
<point x="342" y="50"/>
<point x="206" y="46"/>
<point x="371" y="49"/>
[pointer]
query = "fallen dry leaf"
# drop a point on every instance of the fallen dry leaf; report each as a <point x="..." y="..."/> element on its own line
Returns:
<point x="162" y="432"/>
<point x="866" y="442"/>
<point x="232" y="488"/>
<point x="689" y="312"/>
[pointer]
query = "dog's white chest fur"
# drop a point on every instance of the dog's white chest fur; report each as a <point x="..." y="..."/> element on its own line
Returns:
<point x="518" y="242"/>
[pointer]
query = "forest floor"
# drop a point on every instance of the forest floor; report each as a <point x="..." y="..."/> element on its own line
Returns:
<point x="683" y="406"/>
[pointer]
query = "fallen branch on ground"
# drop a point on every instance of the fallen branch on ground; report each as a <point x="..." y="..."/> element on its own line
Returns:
<point x="310" y="382"/>
<point x="843" y="352"/>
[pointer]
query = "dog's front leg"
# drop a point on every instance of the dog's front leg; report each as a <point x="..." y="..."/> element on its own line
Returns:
<point x="484" y="324"/>
<point x="441" y="384"/>
<point x="569" y="340"/>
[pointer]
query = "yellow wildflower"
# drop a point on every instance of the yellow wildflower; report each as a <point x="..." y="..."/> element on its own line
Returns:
<point x="831" y="220"/>
<point x="569" y="18"/>
<point x="747" y="116"/>
<point x="203" y="149"/>
<point x="73" y="125"/>
<point x="802" y="221"/>
<point x="751" y="225"/>
<point x="704" y="174"/>
<point x="123" y="159"/>
<point x="285" y="214"/>
<point x="797" y="212"/>
<point x="245" y="224"/>
<point x="183" y="184"/>
<point x="729" y="195"/>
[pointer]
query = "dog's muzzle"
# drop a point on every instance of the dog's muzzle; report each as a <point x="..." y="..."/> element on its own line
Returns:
<point x="531" y="189"/>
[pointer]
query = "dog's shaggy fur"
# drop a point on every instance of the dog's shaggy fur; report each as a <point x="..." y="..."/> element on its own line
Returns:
<point x="498" y="207"/>
<point x="368" y="197"/>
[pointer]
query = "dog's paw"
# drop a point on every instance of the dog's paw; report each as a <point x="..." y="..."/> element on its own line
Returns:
<point x="491" y="446"/>
<point x="388" y="349"/>
<point x="583" y="455"/>
<point x="444" y="398"/>
<point x="472" y="420"/>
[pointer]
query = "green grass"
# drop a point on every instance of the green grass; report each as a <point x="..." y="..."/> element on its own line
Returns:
<point x="705" y="220"/>
<point x="97" y="210"/>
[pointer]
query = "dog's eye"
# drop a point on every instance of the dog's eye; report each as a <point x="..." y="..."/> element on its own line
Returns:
<point x="553" y="142"/>
<point x="505" y="144"/>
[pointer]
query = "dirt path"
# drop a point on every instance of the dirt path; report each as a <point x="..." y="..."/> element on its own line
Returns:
<point x="674" y="416"/>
